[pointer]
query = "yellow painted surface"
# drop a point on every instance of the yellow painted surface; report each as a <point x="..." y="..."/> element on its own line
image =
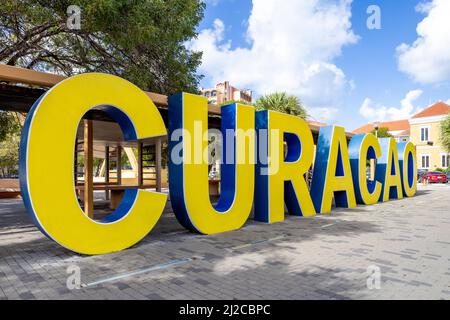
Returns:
<point x="281" y="171"/>
<point x="369" y="141"/>
<point x="205" y="218"/>
<point x="434" y="151"/>
<point x="338" y="183"/>
<point x="392" y="180"/>
<point x="433" y="133"/>
<point x="409" y="190"/>
<point x="51" y="179"/>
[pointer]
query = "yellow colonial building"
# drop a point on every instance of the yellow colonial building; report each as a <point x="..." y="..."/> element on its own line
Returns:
<point x="422" y="129"/>
<point x="425" y="134"/>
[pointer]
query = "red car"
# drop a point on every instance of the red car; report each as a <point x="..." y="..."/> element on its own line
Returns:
<point x="434" y="176"/>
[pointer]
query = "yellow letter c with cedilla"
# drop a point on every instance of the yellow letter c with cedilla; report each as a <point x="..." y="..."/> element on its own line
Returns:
<point x="47" y="159"/>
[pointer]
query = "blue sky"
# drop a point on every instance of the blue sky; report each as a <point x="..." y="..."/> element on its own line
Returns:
<point x="323" y="51"/>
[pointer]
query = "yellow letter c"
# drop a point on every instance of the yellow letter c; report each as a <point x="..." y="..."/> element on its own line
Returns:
<point x="47" y="157"/>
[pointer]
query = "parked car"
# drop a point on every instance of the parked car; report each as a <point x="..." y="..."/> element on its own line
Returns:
<point x="434" y="176"/>
<point x="448" y="176"/>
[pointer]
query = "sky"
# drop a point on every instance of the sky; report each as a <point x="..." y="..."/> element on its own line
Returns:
<point x="349" y="62"/>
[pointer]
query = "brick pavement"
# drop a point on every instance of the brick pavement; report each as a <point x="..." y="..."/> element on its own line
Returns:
<point x="323" y="257"/>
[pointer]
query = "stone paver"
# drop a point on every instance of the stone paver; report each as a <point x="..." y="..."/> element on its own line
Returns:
<point x="323" y="257"/>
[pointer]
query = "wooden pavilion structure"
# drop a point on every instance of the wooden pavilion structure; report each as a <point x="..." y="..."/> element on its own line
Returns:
<point x="20" y="88"/>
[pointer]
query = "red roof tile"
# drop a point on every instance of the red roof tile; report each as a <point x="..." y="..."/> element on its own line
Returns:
<point x="436" y="109"/>
<point x="395" y="125"/>
<point x="317" y="123"/>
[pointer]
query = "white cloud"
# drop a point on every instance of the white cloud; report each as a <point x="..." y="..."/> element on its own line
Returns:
<point x="377" y="112"/>
<point x="292" y="47"/>
<point x="323" y="113"/>
<point x="427" y="60"/>
<point x="212" y="2"/>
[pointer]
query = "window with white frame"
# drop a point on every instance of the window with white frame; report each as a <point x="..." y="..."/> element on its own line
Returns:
<point x="425" y="161"/>
<point x="445" y="160"/>
<point x="424" y="133"/>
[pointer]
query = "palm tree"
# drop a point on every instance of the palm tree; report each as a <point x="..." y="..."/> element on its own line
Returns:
<point x="445" y="133"/>
<point x="282" y="102"/>
<point x="382" y="132"/>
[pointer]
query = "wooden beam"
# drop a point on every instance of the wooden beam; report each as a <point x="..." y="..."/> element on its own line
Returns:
<point x="75" y="163"/>
<point x="107" y="171"/>
<point x="27" y="76"/>
<point x="88" y="169"/>
<point x="31" y="77"/>
<point x="140" y="171"/>
<point x="158" y="99"/>
<point x="158" y="164"/>
<point x="44" y="79"/>
<point x="119" y="164"/>
<point x="372" y="169"/>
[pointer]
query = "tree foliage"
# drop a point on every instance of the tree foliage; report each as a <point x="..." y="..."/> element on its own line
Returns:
<point x="10" y="127"/>
<point x="282" y="102"/>
<point x="382" y="132"/>
<point x="9" y="156"/>
<point x="445" y="133"/>
<point x="140" y="40"/>
<point x="10" y="124"/>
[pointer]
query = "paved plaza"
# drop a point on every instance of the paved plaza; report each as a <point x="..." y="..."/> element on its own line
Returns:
<point x="323" y="257"/>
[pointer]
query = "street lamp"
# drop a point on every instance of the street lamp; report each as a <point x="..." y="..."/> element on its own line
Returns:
<point x="376" y="126"/>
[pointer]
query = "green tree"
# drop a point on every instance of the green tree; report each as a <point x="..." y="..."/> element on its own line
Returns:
<point x="140" y="40"/>
<point x="382" y="132"/>
<point x="10" y="123"/>
<point x="9" y="155"/>
<point x="445" y="133"/>
<point x="282" y="102"/>
<point x="10" y="128"/>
